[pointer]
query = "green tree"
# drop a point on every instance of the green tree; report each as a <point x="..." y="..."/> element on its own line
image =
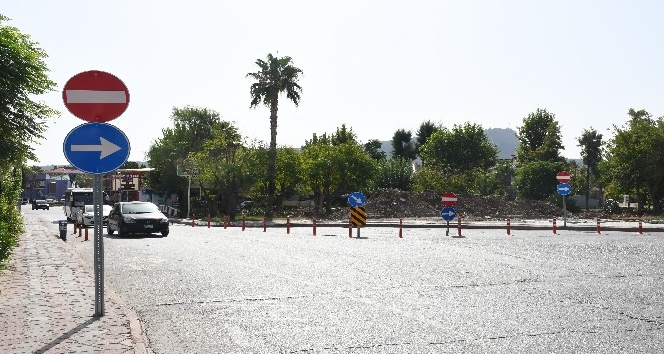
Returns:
<point x="402" y="145"/>
<point x="394" y="173"/>
<point x="462" y="149"/>
<point x="330" y="171"/>
<point x="343" y="135"/>
<point x="222" y="171"/>
<point x="192" y="128"/>
<point x="373" y="148"/>
<point x="23" y="76"/>
<point x="276" y="75"/>
<point x="633" y="164"/>
<point x="423" y="133"/>
<point x="591" y="153"/>
<point x="537" y="179"/>
<point x="539" y="138"/>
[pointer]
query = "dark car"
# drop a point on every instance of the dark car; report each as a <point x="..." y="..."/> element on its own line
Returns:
<point x="136" y="217"/>
<point x="39" y="204"/>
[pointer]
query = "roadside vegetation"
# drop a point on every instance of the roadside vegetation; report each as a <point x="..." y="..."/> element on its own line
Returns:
<point x="211" y="154"/>
<point x="23" y="76"/>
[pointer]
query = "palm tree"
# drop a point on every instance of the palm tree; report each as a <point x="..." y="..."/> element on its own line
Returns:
<point x="276" y="75"/>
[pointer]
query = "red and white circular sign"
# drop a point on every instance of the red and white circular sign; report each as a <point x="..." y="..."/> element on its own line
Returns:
<point x="563" y="177"/>
<point x="95" y="96"/>
<point x="448" y="199"/>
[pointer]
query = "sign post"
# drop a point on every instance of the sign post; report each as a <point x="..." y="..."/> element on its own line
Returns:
<point x="564" y="189"/>
<point x="96" y="147"/>
<point x="448" y="213"/>
<point x="358" y="214"/>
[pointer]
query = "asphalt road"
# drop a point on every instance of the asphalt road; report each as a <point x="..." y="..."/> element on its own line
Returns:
<point x="218" y="290"/>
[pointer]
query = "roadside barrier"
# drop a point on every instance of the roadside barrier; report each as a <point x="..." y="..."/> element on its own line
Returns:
<point x="400" y="228"/>
<point x="193" y="220"/>
<point x="86" y="234"/>
<point x="401" y="225"/>
<point x="209" y="221"/>
<point x="554" y="225"/>
<point x="264" y="223"/>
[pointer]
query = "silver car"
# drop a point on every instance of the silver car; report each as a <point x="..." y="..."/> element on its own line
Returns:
<point x="85" y="215"/>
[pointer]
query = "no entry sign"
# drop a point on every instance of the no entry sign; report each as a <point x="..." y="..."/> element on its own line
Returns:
<point x="448" y="199"/>
<point x="563" y="177"/>
<point x="95" y="96"/>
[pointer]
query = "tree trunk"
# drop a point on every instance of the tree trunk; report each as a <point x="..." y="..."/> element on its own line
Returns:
<point x="587" y="188"/>
<point x="272" y="160"/>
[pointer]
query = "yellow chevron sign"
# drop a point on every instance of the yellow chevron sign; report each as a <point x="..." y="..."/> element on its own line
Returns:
<point x="358" y="216"/>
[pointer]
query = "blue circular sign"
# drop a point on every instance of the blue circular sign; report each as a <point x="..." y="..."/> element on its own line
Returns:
<point x="564" y="188"/>
<point x="448" y="213"/>
<point x="96" y="147"/>
<point x="357" y="199"/>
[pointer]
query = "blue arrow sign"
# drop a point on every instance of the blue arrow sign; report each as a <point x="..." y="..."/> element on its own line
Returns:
<point x="96" y="147"/>
<point x="448" y="213"/>
<point x="357" y="199"/>
<point x="564" y="189"/>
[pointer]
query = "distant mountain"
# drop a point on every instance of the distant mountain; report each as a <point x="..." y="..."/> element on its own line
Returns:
<point x="504" y="139"/>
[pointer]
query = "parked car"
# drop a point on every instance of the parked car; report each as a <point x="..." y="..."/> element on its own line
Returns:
<point x="136" y="217"/>
<point x="85" y="216"/>
<point x="39" y="204"/>
<point x="24" y="201"/>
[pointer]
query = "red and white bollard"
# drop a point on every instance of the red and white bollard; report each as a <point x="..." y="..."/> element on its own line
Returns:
<point x="599" y="230"/>
<point x="288" y="225"/>
<point x="509" y="231"/>
<point x="554" y="225"/>
<point x="209" y="221"/>
<point x="459" y="225"/>
<point x="314" y="226"/>
<point x="193" y="220"/>
<point x="244" y="222"/>
<point x="264" y="223"/>
<point x="640" y="226"/>
<point x="350" y="227"/>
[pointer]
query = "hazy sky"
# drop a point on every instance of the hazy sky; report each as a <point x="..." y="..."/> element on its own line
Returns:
<point x="376" y="66"/>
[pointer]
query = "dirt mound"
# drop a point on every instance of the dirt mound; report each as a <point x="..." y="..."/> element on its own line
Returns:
<point x="394" y="203"/>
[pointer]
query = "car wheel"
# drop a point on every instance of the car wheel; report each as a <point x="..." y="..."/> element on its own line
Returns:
<point x="164" y="233"/>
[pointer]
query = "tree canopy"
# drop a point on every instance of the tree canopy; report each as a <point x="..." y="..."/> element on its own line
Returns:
<point x="23" y="75"/>
<point x="539" y="138"/>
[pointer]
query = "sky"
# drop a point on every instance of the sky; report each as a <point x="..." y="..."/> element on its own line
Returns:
<point x="376" y="66"/>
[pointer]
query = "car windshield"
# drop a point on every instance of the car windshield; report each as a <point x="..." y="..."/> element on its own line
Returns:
<point x="40" y="201"/>
<point x="139" y="208"/>
<point x="105" y="209"/>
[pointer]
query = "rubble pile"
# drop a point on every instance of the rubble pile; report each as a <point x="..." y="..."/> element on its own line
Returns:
<point x="394" y="203"/>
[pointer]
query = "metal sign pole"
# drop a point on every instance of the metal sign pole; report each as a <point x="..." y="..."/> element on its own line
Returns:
<point x="98" y="201"/>
<point x="564" y="211"/>
<point x="447" y="233"/>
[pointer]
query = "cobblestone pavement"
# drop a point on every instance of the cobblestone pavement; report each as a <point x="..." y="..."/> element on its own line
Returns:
<point x="47" y="301"/>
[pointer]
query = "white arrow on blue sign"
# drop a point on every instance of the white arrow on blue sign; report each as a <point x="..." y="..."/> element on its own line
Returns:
<point x="357" y="199"/>
<point x="564" y="188"/>
<point x="96" y="147"/>
<point x="448" y="213"/>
